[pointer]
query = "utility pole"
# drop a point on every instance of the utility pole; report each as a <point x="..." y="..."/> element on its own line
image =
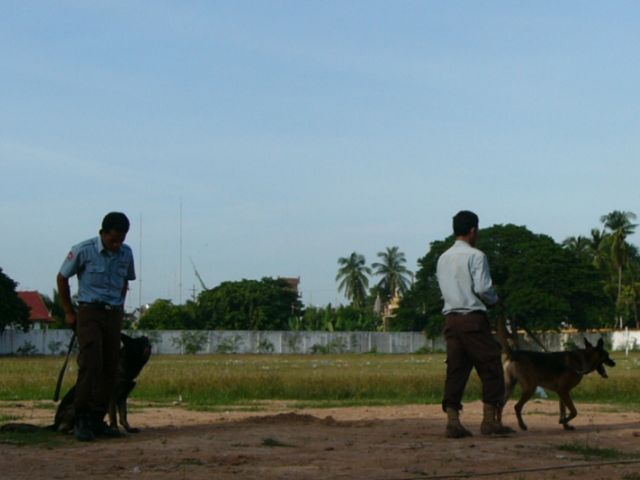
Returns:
<point x="140" y="269"/>
<point x="180" y="260"/>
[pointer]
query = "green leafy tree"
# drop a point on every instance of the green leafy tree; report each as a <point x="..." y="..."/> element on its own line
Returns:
<point x="395" y="277"/>
<point x="164" y="315"/>
<point x="13" y="311"/>
<point x="344" y="318"/>
<point x="57" y="310"/>
<point x="580" y="246"/>
<point x="353" y="277"/>
<point x="542" y="284"/>
<point x="267" y="304"/>
<point x="317" y="319"/>
<point x="354" y="319"/>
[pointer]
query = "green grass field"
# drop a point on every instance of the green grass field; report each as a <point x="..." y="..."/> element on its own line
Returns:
<point x="207" y="381"/>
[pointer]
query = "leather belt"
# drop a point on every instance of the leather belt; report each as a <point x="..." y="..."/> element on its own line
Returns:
<point x="100" y="305"/>
<point x="469" y="312"/>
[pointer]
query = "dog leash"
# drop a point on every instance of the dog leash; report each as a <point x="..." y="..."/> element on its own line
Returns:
<point x="514" y="329"/>
<point x="56" y="394"/>
<point x="535" y="339"/>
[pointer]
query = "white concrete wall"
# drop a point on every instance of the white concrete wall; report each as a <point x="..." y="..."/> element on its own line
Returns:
<point x="55" y="342"/>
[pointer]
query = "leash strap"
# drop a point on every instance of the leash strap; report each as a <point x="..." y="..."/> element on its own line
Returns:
<point x="514" y="331"/>
<point x="535" y="339"/>
<point x="56" y="394"/>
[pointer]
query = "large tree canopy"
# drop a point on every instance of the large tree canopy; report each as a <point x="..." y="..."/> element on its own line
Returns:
<point x="542" y="284"/>
<point x="13" y="311"/>
<point x="164" y="315"/>
<point x="266" y="304"/>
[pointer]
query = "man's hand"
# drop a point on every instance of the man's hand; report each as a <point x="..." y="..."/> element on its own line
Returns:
<point x="70" y="318"/>
<point x="65" y="298"/>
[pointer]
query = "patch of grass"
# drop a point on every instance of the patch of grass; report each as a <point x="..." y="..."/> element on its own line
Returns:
<point x="617" y="408"/>
<point x="589" y="452"/>
<point x="32" y="378"/>
<point x="7" y="418"/>
<point x="339" y="379"/>
<point x="212" y="381"/>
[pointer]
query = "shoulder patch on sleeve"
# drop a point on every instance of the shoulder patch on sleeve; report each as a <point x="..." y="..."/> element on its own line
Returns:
<point x="71" y="255"/>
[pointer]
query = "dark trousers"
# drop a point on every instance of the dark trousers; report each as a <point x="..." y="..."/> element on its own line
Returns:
<point x="98" y="333"/>
<point x="470" y="344"/>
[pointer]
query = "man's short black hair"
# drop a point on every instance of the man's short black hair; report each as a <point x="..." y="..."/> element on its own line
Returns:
<point x="463" y="222"/>
<point x="117" y="221"/>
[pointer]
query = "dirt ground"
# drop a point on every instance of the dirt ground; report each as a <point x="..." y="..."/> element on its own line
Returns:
<point x="394" y="443"/>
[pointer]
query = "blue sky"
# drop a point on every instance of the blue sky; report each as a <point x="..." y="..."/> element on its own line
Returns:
<point x="293" y="133"/>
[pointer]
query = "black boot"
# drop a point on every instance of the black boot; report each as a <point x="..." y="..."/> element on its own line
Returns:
<point x="454" y="427"/>
<point x="101" y="429"/>
<point x="492" y="421"/>
<point x="82" y="427"/>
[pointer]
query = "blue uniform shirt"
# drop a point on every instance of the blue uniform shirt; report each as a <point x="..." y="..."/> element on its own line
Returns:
<point x="101" y="274"/>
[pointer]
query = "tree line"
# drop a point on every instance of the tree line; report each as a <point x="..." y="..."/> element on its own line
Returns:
<point x="588" y="281"/>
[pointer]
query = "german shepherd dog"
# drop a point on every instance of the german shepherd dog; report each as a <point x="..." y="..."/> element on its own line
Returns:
<point x="559" y="372"/>
<point x="134" y="355"/>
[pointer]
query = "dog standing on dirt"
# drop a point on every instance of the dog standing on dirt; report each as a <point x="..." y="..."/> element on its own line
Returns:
<point x="559" y="372"/>
<point x="134" y="355"/>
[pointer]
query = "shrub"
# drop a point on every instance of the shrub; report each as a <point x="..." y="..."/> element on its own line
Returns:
<point x="191" y="342"/>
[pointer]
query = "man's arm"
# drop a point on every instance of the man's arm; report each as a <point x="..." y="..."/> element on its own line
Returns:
<point x="125" y="289"/>
<point x="482" y="284"/>
<point x="65" y="296"/>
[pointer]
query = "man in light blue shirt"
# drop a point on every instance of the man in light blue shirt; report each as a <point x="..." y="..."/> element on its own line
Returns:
<point x="103" y="273"/>
<point x="465" y="282"/>
<point x="104" y="266"/>
<point x="464" y="279"/>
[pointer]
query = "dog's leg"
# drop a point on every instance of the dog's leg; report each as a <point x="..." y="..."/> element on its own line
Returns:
<point x="122" y="410"/>
<point x="113" y="422"/>
<point x="565" y="400"/>
<point x="563" y="412"/>
<point x="510" y="383"/>
<point x="524" y="398"/>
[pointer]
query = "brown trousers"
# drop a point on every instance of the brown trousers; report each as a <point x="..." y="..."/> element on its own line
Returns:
<point x="470" y="344"/>
<point x="98" y="333"/>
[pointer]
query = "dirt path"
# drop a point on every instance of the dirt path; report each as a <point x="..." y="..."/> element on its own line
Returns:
<point x="394" y="443"/>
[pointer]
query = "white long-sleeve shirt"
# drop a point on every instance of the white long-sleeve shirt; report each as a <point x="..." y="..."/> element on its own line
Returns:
<point x="464" y="279"/>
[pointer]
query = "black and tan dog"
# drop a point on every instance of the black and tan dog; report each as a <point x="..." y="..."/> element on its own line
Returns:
<point x="134" y="355"/>
<point x="559" y="372"/>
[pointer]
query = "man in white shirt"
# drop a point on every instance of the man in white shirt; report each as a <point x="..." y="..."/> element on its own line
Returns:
<point x="465" y="282"/>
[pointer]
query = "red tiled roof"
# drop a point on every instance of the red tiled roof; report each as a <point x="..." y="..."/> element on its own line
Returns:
<point x="39" y="311"/>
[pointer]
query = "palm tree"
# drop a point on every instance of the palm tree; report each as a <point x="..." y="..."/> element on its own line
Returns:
<point x="620" y="225"/>
<point x="581" y="246"/>
<point x="352" y="275"/>
<point x="395" y="276"/>
<point x="619" y="221"/>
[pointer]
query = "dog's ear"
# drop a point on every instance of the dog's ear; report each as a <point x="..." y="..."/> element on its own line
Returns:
<point x="125" y="338"/>
<point x="587" y="344"/>
<point x="601" y="343"/>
